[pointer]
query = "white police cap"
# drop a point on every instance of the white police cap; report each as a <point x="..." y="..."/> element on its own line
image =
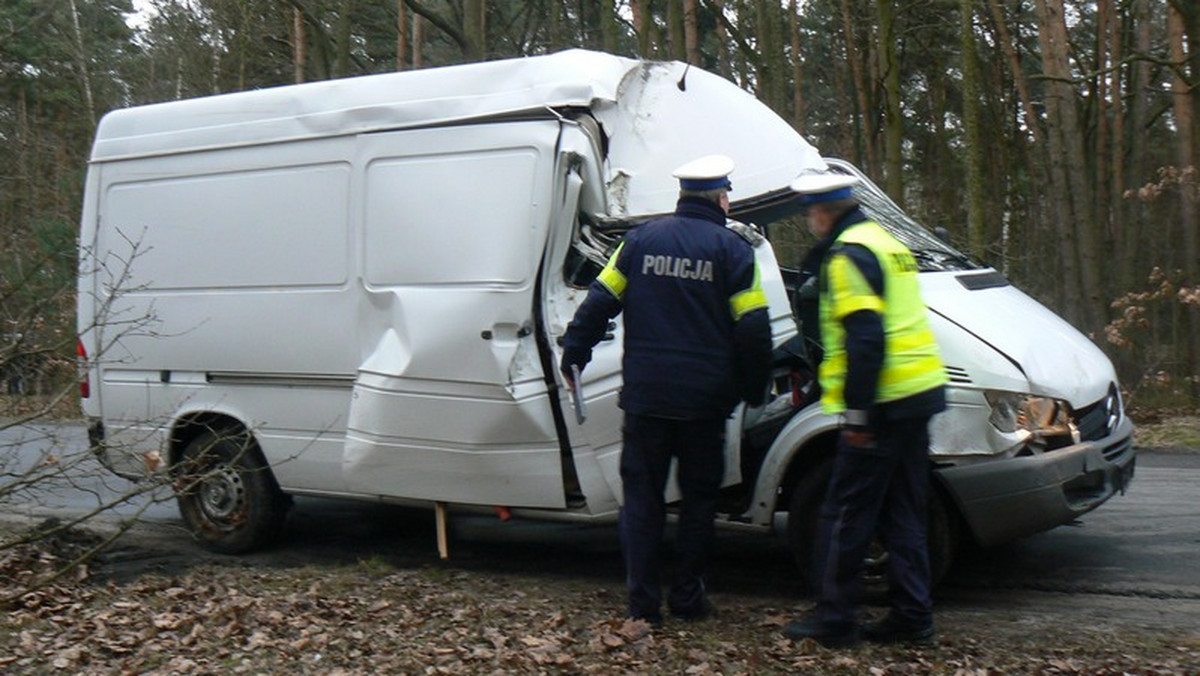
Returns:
<point x="706" y="173"/>
<point x="815" y="187"/>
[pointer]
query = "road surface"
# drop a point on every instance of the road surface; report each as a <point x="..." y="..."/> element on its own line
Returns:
<point x="1130" y="562"/>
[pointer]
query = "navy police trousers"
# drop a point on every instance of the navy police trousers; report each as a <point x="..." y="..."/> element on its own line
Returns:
<point x="882" y="489"/>
<point x="649" y="445"/>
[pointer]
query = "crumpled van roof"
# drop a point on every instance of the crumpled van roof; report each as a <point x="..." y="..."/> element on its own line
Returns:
<point x="657" y="115"/>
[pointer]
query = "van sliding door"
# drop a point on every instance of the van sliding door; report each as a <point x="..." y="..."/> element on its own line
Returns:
<point x="450" y="401"/>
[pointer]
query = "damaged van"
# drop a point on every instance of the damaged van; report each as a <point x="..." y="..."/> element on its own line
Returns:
<point x="356" y="288"/>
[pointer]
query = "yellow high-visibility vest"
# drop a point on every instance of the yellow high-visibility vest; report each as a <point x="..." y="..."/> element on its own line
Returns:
<point x="911" y="363"/>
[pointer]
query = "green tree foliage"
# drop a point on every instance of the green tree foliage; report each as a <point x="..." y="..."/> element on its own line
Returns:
<point x="899" y="100"/>
<point x="61" y="64"/>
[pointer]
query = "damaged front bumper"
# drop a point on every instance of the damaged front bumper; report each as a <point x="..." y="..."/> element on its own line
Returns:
<point x="1011" y="498"/>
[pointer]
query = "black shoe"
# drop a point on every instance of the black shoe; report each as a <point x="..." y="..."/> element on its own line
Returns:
<point x="706" y="610"/>
<point x="828" y="634"/>
<point x="892" y="629"/>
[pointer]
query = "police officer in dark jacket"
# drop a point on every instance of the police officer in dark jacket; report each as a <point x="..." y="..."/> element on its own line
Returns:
<point x="697" y="340"/>
<point x="882" y="373"/>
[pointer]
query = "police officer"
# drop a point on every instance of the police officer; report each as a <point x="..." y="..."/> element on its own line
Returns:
<point x="882" y="373"/>
<point x="697" y="339"/>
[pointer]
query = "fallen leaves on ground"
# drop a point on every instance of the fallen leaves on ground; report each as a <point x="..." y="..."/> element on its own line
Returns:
<point x="371" y="619"/>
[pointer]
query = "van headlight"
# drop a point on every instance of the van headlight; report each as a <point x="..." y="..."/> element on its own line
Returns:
<point x="1042" y="422"/>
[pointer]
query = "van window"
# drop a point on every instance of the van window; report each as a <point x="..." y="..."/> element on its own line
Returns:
<point x="791" y="238"/>
<point x="442" y="220"/>
<point x="270" y="228"/>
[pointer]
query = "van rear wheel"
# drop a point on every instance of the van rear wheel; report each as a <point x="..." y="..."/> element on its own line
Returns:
<point x="226" y="493"/>
<point x="803" y="523"/>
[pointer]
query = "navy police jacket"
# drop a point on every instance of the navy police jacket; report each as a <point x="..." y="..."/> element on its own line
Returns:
<point x="697" y="331"/>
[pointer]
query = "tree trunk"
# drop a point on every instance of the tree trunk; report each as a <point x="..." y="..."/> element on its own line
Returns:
<point x="1032" y="121"/>
<point x="608" y="26"/>
<point x="722" y="43"/>
<point x="81" y="62"/>
<point x="341" y="64"/>
<point x="401" y="35"/>
<point x="893" y="120"/>
<point x="474" y="29"/>
<point x="973" y="137"/>
<point x="675" y="30"/>
<point x="643" y="25"/>
<point x="1117" y="187"/>
<point x="299" y="46"/>
<point x="798" y="108"/>
<point x="777" y="56"/>
<point x="1081" y="263"/>
<point x="1104" y="179"/>
<point x="865" y="138"/>
<point x="762" y="32"/>
<point x="1183" y="28"/>
<point x="418" y="41"/>
<point x="691" y="33"/>
<point x="1139" y="121"/>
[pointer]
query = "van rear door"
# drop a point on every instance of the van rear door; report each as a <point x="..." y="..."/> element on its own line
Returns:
<point x="450" y="400"/>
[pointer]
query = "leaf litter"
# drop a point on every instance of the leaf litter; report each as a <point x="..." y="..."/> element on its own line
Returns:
<point x="369" y="618"/>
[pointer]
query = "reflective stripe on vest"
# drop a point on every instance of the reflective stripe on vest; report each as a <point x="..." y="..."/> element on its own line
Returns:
<point x="611" y="277"/>
<point x="911" y="363"/>
<point x="750" y="299"/>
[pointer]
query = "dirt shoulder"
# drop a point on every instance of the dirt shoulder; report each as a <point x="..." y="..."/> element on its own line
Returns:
<point x="1168" y="432"/>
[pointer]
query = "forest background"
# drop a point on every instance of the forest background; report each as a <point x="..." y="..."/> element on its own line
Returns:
<point x="1056" y="140"/>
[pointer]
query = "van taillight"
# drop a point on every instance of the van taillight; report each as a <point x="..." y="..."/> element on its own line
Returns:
<point x="85" y="386"/>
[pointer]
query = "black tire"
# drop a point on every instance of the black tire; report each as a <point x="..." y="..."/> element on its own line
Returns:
<point x="803" y="517"/>
<point x="226" y="493"/>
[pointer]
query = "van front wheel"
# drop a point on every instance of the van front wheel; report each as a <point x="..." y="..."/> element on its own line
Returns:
<point x="226" y="493"/>
<point x="803" y="531"/>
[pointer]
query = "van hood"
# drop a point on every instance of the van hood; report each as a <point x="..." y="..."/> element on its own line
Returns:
<point x="1054" y="356"/>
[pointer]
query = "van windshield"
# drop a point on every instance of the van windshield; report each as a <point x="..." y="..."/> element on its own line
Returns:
<point x="792" y="240"/>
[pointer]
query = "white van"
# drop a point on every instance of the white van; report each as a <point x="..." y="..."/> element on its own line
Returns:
<point x="355" y="288"/>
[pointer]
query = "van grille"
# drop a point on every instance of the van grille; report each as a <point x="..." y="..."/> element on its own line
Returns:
<point x="1098" y="420"/>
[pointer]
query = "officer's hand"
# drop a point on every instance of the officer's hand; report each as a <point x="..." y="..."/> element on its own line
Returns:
<point x="858" y="437"/>
<point x="566" y="374"/>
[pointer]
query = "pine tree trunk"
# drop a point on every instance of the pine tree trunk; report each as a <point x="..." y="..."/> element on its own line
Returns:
<point x="865" y="138"/>
<point x="608" y="25"/>
<point x="643" y="25"/>
<point x="1184" y="35"/>
<point x="1117" y="187"/>
<point x="722" y="44"/>
<point x="418" y="41"/>
<point x="473" y="30"/>
<point x="799" y="111"/>
<point x="1139" y="117"/>
<point x="1103" y="179"/>
<point x="81" y="61"/>
<point x="401" y="35"/>
<point x="299" y="46"/>
<point x="1081" y="262"/>
<point x="691" y="34"/>
<point x="973" y="136"/>
<point x="893" y="120"/>
<point x="675" y="30"/>
<point x="341" y="66"/>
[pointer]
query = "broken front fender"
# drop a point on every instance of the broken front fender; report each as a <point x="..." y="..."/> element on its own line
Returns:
<point x="1010" y="498"/>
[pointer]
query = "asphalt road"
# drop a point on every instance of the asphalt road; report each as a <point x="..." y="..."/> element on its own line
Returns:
<point x="1132" y="561"/>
